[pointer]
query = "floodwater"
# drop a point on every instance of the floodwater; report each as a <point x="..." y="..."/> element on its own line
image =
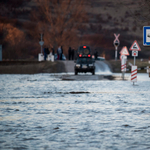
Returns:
<point x="42" y="111"/>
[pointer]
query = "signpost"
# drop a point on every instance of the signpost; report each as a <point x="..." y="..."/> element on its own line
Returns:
<point x="124" y="53"/>
<point x="41" y="56"/>
<point x="41" y="42"/>
<point x="116" y="44"/>
<point x="134" y="48"/>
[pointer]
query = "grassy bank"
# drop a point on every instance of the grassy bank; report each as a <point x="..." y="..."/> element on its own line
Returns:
<point x="30" y="67"/>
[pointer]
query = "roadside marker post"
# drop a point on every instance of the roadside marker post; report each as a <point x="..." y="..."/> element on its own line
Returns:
<point x="123" y="56"/>
<point x="148" y="70"/>
<point x="123" y="65"/>
<point x="116" y="44"/>
<point x="134" y="48"/>
<point x="134" y="74"/>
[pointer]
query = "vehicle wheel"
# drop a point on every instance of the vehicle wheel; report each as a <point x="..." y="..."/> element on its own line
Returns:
<point x="76" y="73"/>
<point x="93" y="72"/>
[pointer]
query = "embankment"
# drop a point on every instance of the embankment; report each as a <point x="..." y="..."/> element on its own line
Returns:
<point x="30" y="67"/>
<point x="34" y="67"/>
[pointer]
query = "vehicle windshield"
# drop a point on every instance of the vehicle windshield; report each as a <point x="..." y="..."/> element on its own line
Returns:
<point x="84" y="60"/>
<point x="85" y="51"/>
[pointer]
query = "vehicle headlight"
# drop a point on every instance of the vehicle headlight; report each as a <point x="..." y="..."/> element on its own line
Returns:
<point x="77" y="65"/>
<point x="90" y="65"/>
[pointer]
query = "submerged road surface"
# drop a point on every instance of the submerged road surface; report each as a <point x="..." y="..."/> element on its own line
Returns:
<point x="102" y="72"/>
<point x="101" y="66"/>
<point x="42" y="111"/>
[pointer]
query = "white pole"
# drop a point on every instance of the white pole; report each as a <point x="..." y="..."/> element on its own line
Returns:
<point x="123" y="75"/>
<point x="134" y="60"/>
<point x="116" y="52"/>
<point x="41" y="49"/>
<point x="41" y="45"/>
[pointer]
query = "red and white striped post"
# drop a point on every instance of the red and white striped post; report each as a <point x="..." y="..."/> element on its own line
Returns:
<point x="124" y="53"/>
<point x="134" y="74"/>
<point x="123" y="65"/>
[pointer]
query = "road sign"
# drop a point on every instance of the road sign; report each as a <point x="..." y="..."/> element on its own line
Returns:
<point x="134" y="73"/>
<point x="124" y="51"/>
<point x="41" y="43"/>
<point x="116" y="38"/>
<point x="146" y="35"/>
<point x="116" y="44"/>
<point x="135" y="53"/>
<point x="135" y="46"/>
<point x="116" y="41"/>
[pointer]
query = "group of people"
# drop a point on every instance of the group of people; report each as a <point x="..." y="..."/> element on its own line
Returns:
<point x="47" y="52"/>
<point x="71" y="53"/>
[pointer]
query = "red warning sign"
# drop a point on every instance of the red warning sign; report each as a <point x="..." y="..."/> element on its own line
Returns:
<point x="135" y="46"/>
<point x="124" y="51"/>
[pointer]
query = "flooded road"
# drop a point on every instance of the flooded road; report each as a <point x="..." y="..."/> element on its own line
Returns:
<point x="42" y="111"/>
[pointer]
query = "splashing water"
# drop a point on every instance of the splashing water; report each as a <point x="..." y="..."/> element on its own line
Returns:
<point x="102" y="68"/>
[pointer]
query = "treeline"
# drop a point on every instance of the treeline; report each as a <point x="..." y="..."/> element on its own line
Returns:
<point x="64" y="23"/>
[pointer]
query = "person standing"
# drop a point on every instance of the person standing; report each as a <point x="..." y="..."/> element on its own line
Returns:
<point x="69" y="53"/>
<point x="53" y="51"/>
<point x="72" y="53"/>
<point x="45" y="53"/>
<point x="59" y="52"/>
<point x="96" y="54"/>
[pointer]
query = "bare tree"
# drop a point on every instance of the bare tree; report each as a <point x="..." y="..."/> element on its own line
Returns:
<point x="59" y="21"/>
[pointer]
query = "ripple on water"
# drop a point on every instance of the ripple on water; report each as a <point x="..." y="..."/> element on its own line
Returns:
<point x="73" y="114"/>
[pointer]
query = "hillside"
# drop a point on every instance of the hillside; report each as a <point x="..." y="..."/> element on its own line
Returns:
<point x="20" y="38"/>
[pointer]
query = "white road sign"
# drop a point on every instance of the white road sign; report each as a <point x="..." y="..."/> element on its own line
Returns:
<point x="134" y="53"/>
<point x="146" y="35"/>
